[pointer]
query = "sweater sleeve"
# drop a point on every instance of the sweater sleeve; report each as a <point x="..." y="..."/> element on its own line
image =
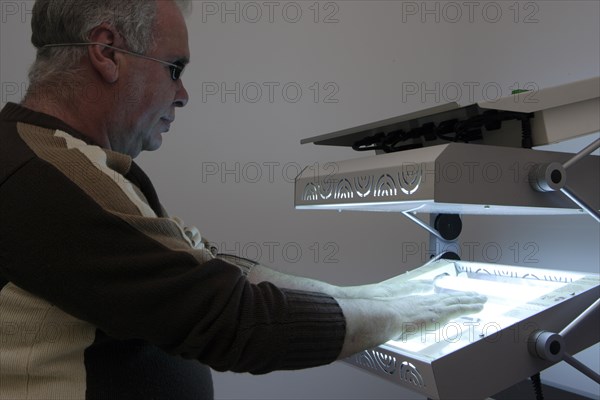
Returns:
<point x="74" y="238"/>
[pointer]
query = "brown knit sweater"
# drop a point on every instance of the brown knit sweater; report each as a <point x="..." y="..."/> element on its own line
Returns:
<point x="103" y="296"/>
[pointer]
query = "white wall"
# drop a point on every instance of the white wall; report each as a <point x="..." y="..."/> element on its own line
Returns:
<point x="227" y="166"/>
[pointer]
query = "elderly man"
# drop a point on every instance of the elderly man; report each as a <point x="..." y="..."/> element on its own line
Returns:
<point x="102" y="294"/>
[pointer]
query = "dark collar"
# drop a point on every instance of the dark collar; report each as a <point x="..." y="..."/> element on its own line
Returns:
<point x="17" y="113"/>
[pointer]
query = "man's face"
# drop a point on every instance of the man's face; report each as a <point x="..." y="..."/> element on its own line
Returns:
<point x="148" y="107"/>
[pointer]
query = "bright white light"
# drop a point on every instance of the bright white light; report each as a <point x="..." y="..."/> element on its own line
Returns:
<point x="513" y="294"/>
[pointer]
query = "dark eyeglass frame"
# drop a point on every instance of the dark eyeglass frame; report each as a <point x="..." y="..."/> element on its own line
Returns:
<point x="175" y="68"/>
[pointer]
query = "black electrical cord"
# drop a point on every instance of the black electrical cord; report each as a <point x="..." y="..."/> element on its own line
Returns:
<point x="537" y="386"/>
<point x="453" y="130"/>
<point x="526" y="138"/>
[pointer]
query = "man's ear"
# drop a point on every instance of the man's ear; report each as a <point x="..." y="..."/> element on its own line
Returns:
<point x="103" y="59"/>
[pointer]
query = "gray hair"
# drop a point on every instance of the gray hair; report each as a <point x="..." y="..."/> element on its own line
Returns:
<point x="71" y="21"/>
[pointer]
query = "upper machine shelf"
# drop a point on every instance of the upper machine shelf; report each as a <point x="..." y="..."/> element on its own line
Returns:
<point x="475" y="159"/>
<point x="541" y="117"/>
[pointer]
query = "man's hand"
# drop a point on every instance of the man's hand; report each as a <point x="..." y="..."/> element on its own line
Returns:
<point x="389" y="289"/>
<point x="371" y="322"/>
<point x="376" y="313"/>
<point x="437" y="308"/>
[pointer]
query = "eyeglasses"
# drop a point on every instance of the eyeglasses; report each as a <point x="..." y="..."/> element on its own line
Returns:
<point x="176" y="68"/>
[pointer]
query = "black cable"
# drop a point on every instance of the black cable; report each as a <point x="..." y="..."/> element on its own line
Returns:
<point x="537" y="386"/>
<point x="452" y="130"/>
<point x="526" y="139"/>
